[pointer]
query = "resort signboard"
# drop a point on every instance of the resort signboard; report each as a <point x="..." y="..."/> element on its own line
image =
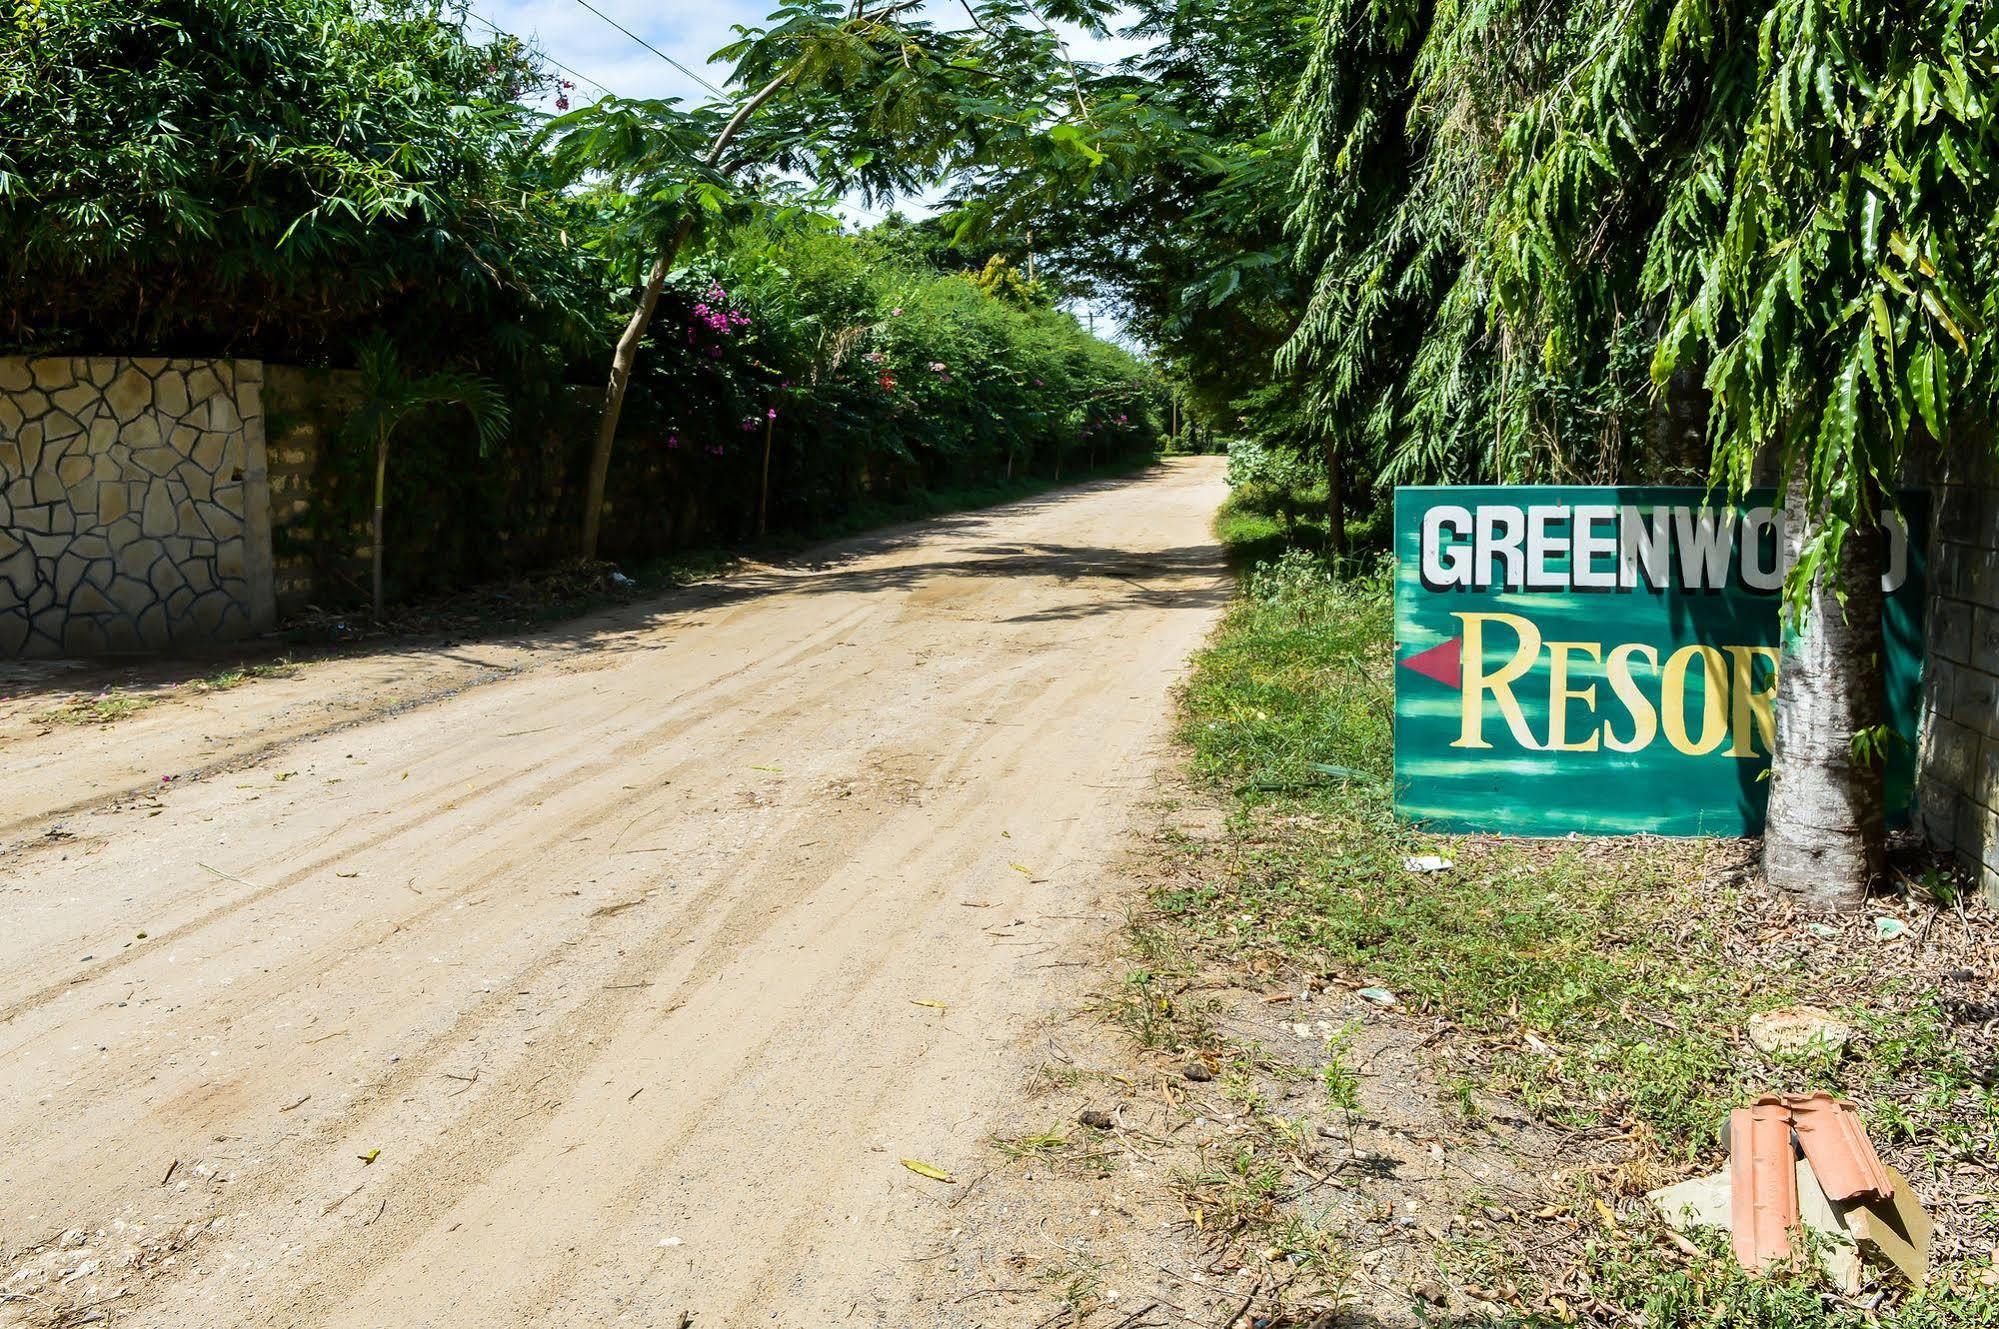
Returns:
<point x="1603" y="660"/>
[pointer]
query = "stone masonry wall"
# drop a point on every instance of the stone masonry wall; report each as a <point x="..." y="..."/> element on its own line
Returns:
<point x="133" y="504"/>
<point x="1958" y="774"/>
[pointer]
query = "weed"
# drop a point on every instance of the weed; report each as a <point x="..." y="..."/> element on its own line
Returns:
<point x="106" y="707"/>
<point x="237" y="675"/>
<point x="1031" y="1146"/>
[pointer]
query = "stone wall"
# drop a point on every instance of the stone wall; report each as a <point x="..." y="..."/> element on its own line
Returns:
<point x="133" y="504"/>
<point x="1958" y="775"/>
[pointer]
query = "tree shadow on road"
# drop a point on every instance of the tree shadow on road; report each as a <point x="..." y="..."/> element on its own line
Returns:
<point x="1106" y="580"/>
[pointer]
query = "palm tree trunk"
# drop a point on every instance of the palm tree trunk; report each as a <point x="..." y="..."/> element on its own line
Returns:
<point x="1827" y="832"/>
<point x="381" y="483"/>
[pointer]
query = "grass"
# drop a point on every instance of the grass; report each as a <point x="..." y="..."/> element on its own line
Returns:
<point x="107" y="707"/>
<point x="237" y="675"/>
<point x="1594" y="983"/>
<point x="114" y="704"/>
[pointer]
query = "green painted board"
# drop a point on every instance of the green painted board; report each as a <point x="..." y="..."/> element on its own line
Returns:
<point x="1602" y="659"/>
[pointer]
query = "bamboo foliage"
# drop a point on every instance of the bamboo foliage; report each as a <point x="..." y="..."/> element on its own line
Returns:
<point x="1792" y="200"/>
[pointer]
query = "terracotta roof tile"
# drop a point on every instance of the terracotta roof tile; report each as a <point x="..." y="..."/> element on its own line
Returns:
<point x="1763" y="1181"/>
<point x="1837" y="1147"/>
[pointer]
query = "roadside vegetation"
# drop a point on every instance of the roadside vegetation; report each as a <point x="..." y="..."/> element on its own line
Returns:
<point x="1603" y="987"/>
<point x="1736" y="241"/>
<point x="335" y="185"/>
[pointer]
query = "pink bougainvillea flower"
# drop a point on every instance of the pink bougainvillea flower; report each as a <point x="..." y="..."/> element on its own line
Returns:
<point x="771" y="414"/>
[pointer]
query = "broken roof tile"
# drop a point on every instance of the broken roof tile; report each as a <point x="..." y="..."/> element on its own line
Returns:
<point x="1763" y="1184"/>
<point x="1837" y="1147"/>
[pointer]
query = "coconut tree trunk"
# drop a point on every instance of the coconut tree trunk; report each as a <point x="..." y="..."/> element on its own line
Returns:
<point x="1827" y="832"/>
<point x="375" y="536"/>
<point x="1336" y="500"/>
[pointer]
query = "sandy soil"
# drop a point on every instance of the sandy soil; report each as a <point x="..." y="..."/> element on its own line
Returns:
<point x="595" y="979"/>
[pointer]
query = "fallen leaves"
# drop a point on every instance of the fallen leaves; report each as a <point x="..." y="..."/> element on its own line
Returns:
<point x="929" y="1170"/>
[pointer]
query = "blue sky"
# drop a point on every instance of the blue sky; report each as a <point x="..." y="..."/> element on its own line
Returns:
<point x="690" y="31"/>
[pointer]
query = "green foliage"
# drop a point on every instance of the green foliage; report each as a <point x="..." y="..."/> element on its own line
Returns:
<point x="302" y="178"/>
<point x="274" y="178"/>
<point x="390" y="397"/>
<point x="1552" y="243"/>
<point x="875" y="374"/>
<point x="1256" y="465"/>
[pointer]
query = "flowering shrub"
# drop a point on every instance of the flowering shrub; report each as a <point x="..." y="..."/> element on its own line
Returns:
<point x="872" y="378"/>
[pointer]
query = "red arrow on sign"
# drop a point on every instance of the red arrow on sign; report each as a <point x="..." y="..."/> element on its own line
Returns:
<point x="1444" y="662"/>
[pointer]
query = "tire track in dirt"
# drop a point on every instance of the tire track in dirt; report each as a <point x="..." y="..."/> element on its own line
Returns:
<point x="625" y="984"/>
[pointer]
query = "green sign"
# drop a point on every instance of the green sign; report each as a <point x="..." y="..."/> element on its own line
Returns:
<point x="1603" y="660"/>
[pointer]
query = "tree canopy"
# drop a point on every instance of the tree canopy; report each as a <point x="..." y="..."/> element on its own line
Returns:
<point x="274" y="177"/>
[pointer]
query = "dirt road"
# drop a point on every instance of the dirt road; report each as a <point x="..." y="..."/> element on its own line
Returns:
<point x="610" y="978"/>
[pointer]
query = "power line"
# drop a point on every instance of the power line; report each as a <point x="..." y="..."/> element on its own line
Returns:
<point x="650" y="47"/>
<point x="543" y="54"/>
<point x="851" y="207"/>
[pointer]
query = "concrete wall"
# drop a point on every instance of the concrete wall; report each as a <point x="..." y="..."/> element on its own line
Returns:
<point x="133" y="504"/>
<point x="1958" y="774"/>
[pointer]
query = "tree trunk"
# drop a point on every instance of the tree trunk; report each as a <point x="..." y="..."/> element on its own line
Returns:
<point x="381" y="483"/>
<point x="622" y="360"/>
<point x="1336" y="500"/>
<point x="627" y="352"/>
<point x="763" y="493"/>
<point x="1827" y="832"/>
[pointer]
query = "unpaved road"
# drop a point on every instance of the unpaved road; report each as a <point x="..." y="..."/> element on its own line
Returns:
<point x="627" y="955"/>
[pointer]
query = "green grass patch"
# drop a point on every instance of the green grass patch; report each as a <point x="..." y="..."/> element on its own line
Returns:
<point x="1604" y="982"/>
<point x="107" y="707"/>
<point x="237" y="675"/>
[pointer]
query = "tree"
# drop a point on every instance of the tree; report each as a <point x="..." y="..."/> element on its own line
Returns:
<point x="275" y="179"/>
<point x="1817" y="213"/>
<point x="858" y="96"/>
<point x="1562" y="242"/>
<point x="390" y="396"/>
